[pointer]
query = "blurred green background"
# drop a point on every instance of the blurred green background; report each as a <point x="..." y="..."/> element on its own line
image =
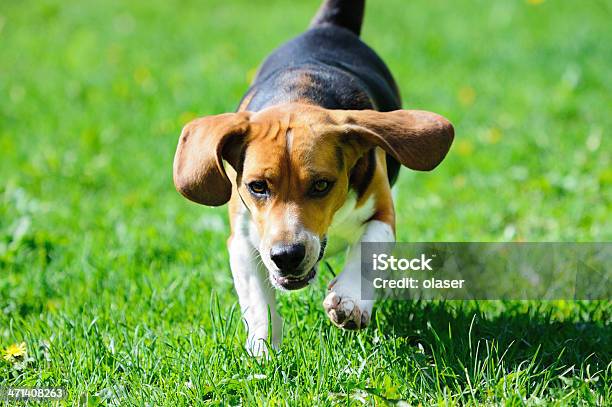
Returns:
<point x="100" y="256"/>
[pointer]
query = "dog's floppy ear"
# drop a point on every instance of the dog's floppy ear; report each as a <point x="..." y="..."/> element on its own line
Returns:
<point x="416" y="138"/>
<point x="198" y="163"/>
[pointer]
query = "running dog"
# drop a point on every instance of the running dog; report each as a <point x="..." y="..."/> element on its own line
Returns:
<point x="307" y="163"/>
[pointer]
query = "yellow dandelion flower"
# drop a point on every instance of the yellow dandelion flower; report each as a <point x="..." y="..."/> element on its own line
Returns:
<point x="15" y="351"/>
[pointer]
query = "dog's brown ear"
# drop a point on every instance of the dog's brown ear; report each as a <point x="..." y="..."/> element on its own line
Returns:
<point x="198" y="163"/>
<point x="417" y="139"/>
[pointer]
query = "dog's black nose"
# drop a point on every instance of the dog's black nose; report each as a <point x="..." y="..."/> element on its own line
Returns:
<point x="288" y="257"/>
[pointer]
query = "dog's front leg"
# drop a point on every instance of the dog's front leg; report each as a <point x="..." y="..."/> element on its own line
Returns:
<point x="344" y="304"/>
<point x="256" y="296"/>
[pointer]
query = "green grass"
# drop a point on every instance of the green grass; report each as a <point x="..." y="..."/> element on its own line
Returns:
<point x="121" y="289"/>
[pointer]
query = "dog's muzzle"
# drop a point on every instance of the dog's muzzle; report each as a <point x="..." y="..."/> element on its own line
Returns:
<point x="288" y="259"/>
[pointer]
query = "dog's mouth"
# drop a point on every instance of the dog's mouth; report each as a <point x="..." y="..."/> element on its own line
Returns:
<point x="295" y="283"/>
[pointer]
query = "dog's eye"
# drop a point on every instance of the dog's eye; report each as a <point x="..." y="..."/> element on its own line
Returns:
<point x="258" y="187"/>
<point x="320" y="187"/>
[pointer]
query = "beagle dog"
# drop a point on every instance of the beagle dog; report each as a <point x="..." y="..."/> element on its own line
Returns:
<point x="307" y="163"/>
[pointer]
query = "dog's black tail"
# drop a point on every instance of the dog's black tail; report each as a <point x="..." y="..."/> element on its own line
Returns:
<point x="343" y="13"/>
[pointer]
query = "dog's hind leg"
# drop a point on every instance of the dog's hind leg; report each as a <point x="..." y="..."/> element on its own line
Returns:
<point x="347" y="304"/>
<point x="342" y="13"/>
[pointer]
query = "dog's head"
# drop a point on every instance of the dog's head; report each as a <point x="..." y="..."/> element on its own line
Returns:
<point x="292" y="165"/>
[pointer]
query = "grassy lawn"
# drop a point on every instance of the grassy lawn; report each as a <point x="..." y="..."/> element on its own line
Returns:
<point x="121" y="289"/>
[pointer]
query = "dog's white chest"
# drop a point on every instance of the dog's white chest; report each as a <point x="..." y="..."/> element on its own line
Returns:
<point x="348" y="224"/>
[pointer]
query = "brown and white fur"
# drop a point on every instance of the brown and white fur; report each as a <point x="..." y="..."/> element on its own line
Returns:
<point x="307" y="159"/>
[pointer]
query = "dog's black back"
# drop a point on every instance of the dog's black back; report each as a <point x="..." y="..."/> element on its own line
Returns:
<point x="329" y="66"/>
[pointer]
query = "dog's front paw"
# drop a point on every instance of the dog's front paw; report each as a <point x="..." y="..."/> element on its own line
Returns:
<point x="260" y="348"/>
<point x="346" y="312"/>
<point x="259" y="343"/>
